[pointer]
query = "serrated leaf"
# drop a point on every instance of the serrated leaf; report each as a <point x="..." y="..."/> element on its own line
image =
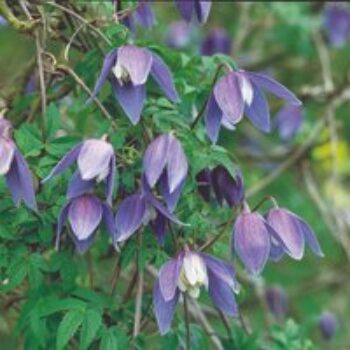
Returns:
<point x="92" y="322"/>
<point x="68" y="327"/>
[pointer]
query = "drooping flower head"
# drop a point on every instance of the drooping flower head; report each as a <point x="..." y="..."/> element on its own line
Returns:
<point x="328" y="324"/>
<point x="96" y="162"/>
<point x="140" y="209"/>
<point x="225" y="187"/>
<point x="179" y="35"/>
<point x="187" y="273"/>
<point x="15" y="169"/>
<point x="85" y="214"/>
<point x="251" y="240"/>
<point x="128" y="68"/>
<point x="277" y="301"/>
<point x="143" y="14"/>
<point x="240" y="92"/>
<point x="197" y="9"/>
<point x="337" y="23"/>
<point x="294" y="232"/>
<point x="289" y="121"/>
<point x="216" y="41"/>
<point x="165" y="157"/>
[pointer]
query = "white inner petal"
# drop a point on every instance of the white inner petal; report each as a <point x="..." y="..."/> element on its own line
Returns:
<point x="193" y="275"/>
<point x="121" y="73"/>
<point x="246" y="89"/>
<point x="7" y="152"/>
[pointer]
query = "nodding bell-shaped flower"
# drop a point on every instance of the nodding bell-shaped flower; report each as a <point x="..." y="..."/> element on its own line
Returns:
<point x="337" y="23"/>
<point x="293" y="232"/>
<point x="277" y="302"/>
<point x="179" y="35"/>
<point x="240" y="92"/>
<point x="164" y="157"/>
<point x="216" y="41"/>
<point x="96" y="162"/>
<point x="187" y="273"/>
<point x="194" y="9"/>
<point x="143" y="14"/>
<point x="328" y="325"/>
<point x="15" y="169"/>
<point x="85" y="214"/>
<point x="129" y="67"/>
<point x="140" y="209"/>
<point x="225" y="186"/>
<point x="289" y="121"/>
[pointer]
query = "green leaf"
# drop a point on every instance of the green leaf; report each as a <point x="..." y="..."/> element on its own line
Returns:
<point x="68" y="326"/>
<point x="91" y="324"/>
<point x="114" y="339"/>
<point x="52" y="120"/>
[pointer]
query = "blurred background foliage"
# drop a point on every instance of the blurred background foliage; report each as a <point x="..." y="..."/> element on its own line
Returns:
<point x="51" y="299"/>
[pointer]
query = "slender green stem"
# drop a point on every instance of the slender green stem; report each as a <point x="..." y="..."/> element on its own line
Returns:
<point x="267" y="198"/>
<point x="196" y="120"/>
<point x="187" y="323"/>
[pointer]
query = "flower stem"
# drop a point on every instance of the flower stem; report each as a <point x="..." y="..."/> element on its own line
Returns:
<point x="267" y="198"/>
<point x="187" y="323"/>
<point x="196" y="120"/>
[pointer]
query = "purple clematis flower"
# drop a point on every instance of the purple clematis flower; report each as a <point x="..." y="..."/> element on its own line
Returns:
<point x="187" y="273"/>
<point x="194" y="8"/>
<point x="240" y="92"/>
<point x="216" y="41"/>
<point x="179" y="35"/>
<point x="289" y="121"/>
<point x="225" y="187"/>
<point x="15" y="168"/>
<point x="337" y="23"/>
<point x="139" y="209"/>
<point x="328" y="324"/>
<point x="164" y="157"/>
<point x="251" y="240"/>
<point x="143" y="14"/>
<point x="129" y="67"/>
<point x="277" y="302"/>
<point x="85" y="214"/>
<point x="294" y="232"/>
<point x="96" y="162"/>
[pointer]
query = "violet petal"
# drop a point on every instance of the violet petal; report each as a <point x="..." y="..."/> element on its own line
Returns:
<point x="251" y="241"/>
<point x="177" y="165"/>
<point x="164" y="310"/>
<point x="169" y="276"/>
<point x="65" y="162"/>
<point x="77" y="186"/>
<point x="108" y="63"/>
<point x="162" y="75"/>
<point x="130" y="216"/>
<point x="131" y="99"/>
<point x="85" y="214"/>
<point x="213" y="117"/>
<point x="274" y="87"/>
<point x="155" y="158"/>
<point x="222" y="295"/>
<point x="228" y="96"/>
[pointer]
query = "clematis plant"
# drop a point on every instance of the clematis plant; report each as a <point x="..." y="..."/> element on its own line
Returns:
<point x="226" y="187"/>
<point x="289" y="121"/>
<point x="143" y="14"/>
<point x="240" y="92"/>
<point x="179" y="35"/>
<point x="216" y="41"/>
<point x="187" y="273"/>
<point x="15" y="168"/>
<point x="328" y="325"/>
<point x="294" y="232"/>
<point x="197" y="9"/>
<point x="96" y="162"/>
<point x="128" y="68"/>
<point x="85" y="213"/>
<point x="165" y="160"/>
<point x="140" y="209"/>
<point x="277" y="302"/>
<point x="337" y="23"/>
